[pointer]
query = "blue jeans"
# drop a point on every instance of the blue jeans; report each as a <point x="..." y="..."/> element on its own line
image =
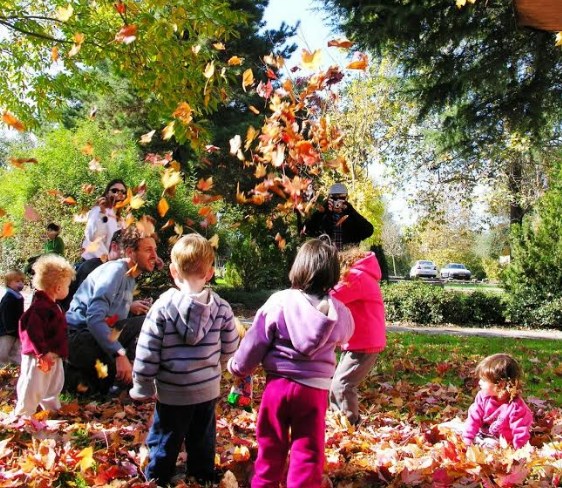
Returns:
<point x="174" y="424"/>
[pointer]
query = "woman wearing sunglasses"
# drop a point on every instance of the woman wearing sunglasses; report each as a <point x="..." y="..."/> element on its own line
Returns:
<point x="103" y="221"/>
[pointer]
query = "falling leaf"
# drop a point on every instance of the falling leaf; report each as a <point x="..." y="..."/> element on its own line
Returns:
<point x="87" y="149"/>
<point x="146" y="138"/>
<point x="112" y="320"/>
<point x="162" y="207"/>
<point x="101" y="369"/>
<point x="126" y="34"/>
<point x="19" y="162"/>
<point x="235" y="144"/>
<point x="168" y="224"/>
<point x="94" y="165"/>
<point x="94" y="245"/>
<point x="205" y="184"/>
<point x="219" y="46"/>
<point x="209" y="70"/>
<point x="211" y="149"/>
<point x="55" y="54"/>
<point x="271" y="74"/>
<point x="361" y="62"/>
<point x="74" y="50"/>
<point x="281" y="242"/>
<point x="168" y="131"/>
<point x="195" y="49"/>
<point x="558" y="39"/>
<point x="235" y="61"/>
<point x="120" y="7"/>
<point x="31" y="214"/>
<point x="12" y="121"/>
<point x="68" y="201"/>
<point x="7" y="230"/>
<point x="145" y="225"/>
<point x="260" y="171"/>
<point x="45" y="363"/>
<point x="311" y="61"/>
<point x="247" y="78"/>
<point x="2" y="212"/>
<point x="264" y="90"/>
<point x="171" y="178"/>
<point x="341" y="43"/>
<point x="63" y="14"/>
<point x="137" y="202"/>
<point x="214" y="241"/>
<point x="183" y="113"/>
<point x="132" y="271"/>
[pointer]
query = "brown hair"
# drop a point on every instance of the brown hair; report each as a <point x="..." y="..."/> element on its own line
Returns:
<point x="504" y="372"/>
<point x="49" y="270"/>
<point x="348" y="257"/>
<point x="316" y="268"/>
<point x="13" y="275"/>
<point x="193" y="255"/>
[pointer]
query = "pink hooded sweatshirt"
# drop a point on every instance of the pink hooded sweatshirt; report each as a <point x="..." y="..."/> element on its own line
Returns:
<point x="359" y="290"/>
<point x="492" y="416"/>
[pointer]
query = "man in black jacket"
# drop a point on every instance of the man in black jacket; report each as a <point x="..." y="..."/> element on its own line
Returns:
<point x="338" y="219"/>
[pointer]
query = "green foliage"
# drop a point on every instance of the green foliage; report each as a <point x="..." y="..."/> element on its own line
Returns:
<point x="428" y="304"/>
<point x="533" y="280"/>
<point x="63" y="167"/>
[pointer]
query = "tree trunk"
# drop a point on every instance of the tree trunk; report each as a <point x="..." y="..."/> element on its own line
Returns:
<point x="516" y="211"/>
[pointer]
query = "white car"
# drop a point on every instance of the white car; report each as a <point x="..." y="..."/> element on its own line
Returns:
<point x="455" y="271"/>
<point x="423" y="269"/>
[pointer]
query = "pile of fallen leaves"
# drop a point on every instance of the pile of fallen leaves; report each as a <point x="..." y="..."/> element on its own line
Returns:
<point x="408" y="437"/>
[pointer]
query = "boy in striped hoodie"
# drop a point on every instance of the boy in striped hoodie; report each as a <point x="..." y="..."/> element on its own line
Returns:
<point x="187" y="336"/>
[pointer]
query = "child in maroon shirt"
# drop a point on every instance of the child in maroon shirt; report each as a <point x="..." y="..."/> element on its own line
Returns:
<point x="44" y="342"/>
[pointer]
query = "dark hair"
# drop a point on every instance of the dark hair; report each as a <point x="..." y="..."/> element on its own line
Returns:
<point x="53" y="226"/>
<point x="316" y="268"/>
<point x="111" y="183"/>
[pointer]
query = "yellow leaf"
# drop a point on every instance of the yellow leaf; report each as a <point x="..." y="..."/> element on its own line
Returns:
<point x="281" y="242"/>
<point x="214" y="241"/>
<point x="209" y="70"/>
<point x="101" y="369"/>
<point x="86" y="457"/>
<point x="247" y="78"/>
<point x="461" y="3"/>
<point x="78" y="38"/>
<point x="63" y="14"/>
<point x="251" y="134"/>
<point x="168" y="131"/>
<point x="146" y="138"/>
<point x="235" y="61"/>
<point x="235" y="144"/>
<point x="12" y="121"/>
<point x="219" y="46"/>
<point x="195" y="49"/>
<point x="254" y="109"/>
<point x="178" y="229"/>
<point x="55" y="54"/>
<point x="171" y="178"/>
<point x="145" y="225"/>
<point x="163" y="207"/>
<point x="310" y="60"/>
<point x="137" y="202"/>
<point x="558" y="39"/>
<point x="260" y="171"/>
<point x="241" y="453"/>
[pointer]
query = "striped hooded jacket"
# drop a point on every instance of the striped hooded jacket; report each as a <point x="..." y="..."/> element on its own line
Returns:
<point x="181" y="348"/>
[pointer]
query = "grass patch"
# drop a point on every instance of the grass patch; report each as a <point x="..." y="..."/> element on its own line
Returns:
<point x="484" y="287"/>
<point x="424" y="358"/>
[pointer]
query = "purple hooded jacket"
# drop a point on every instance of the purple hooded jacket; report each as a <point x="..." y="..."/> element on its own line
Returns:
<point x="292" y="339"/>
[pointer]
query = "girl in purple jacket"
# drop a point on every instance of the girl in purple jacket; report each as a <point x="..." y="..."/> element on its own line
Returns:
<point x="359" y="290"/>
<point x="498" y="409"/>
<point x="294" y="336"/>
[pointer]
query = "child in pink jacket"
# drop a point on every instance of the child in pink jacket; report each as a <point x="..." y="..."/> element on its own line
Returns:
<point x="359" y="290"/>
<point x="498" y="409"/>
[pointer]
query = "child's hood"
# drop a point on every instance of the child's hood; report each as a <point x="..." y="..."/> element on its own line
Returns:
<point x="308" y="328"/>
<point x="368" y="264"/>
<point x="192" y="319"/>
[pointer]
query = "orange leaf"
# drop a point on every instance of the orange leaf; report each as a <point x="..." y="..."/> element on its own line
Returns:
<point x="235" y="61"/>
<point x="55" y="54"/>
<point x="69" y="201"/>
<point x="120" y="7"/>
<point x="281" y="242"/>
<point x="254" y="109"/>
<point x="12" y="121"/>
<point x="312" y="60"/>
<point x="112" y="320"/>
<point x="7" y="230"/>
<point x="184" y="113"/>
<point x="88" y="188"/>
<point x="87" y="149"/>
<point x="247" y="78"/>
<point x="19" y="162"/>
<point x="44" y="363"/>
<point x="361" y="62"/>
<point x="163" y="207"/>
<point x="101" y="369"/>
<point x="127" y="34"/>
<point x="343" y="43"/>
<point x="146" y="226"/>
<point x="205" y="185"/>
<point x="260" y="171"/>
<point x="240" y="197"/>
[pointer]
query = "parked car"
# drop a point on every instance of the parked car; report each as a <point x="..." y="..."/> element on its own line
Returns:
<point x="423" y="269"/>
<point x="455" y="271"/>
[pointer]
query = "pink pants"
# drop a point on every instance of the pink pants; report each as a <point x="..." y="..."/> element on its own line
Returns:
<point x="291" y="417"/>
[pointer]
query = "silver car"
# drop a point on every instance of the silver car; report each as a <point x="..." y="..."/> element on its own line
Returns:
<point x="455" y="271"/>
<point x="423" y="269"/>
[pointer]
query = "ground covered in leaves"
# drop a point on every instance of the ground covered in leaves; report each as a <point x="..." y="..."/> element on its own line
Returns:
<point x="407" y="437"/>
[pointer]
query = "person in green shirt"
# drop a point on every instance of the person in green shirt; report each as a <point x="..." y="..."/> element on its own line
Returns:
<point x="54" y="242"/>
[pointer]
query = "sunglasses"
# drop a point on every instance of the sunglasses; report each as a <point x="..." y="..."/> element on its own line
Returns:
<point x="118" y="190"/>
<point x="338" y="197"/>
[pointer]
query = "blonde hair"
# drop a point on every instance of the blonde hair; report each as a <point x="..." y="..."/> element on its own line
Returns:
<point x="348" y="257"/>
<point x="193" y="255"/>
<point x="50" y="270"/>
<point x="503" y="371"/>
<point x="13" y="275"/>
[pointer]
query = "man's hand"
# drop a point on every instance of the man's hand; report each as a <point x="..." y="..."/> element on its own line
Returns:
<point x="338" y="206"/>
<point x="124" y="370"/>
<point x="140" y="307"/>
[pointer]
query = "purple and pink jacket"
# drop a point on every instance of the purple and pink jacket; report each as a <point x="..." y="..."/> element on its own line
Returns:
<point x="359" y="290"/>
<point x="292" y="339"/>
<point x="492" y="416"/>
<point x="42" y="328"/>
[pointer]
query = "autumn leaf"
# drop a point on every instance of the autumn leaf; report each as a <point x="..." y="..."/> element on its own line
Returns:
<point x="281" y="242"/>
<point x="31" y="214"/>
<point x="205" y="184"/>
<point x="145" y="225"/>
<point x="275" y="61"/>
<point x="55" y="54"/>
<point x="12" y="121"/>
<point x="120" y="7"/>
<point x="86" y="457"/>
<point x="171" y="178"/>
<point x="260" y="171"/>
<point x="254" y="109"/>
<point x="63" y="14"/>
<point x="126" y="34"/>
<point x="133" y="270"/>
<point x="87" y="149"/>
<point x="235" y="61"/>
<point x="163" y="207"/>
<point x="69" y="201"/>
<point x="214" y="241"/>
<point x="558" y="39"/>
<point x="112" y="320"/>
<point x="2" y="212"/>
<point x="168" y="131"/>
<point x="19" y="162"/>
<point x="341" y="43"/>
<point x="168" y="224"/>
<point x="311" y="60"/>
<point x="183" y="113"/>
<point x="45" y="363"/>
<point x="240" y="197"/>
<point x="361" y="62"/>
<point x="94" y="165"/>
<point x="146" y="138"/>
<point x="264" y="90"/>
<point x="101" y="369"/>
<point x="247" y="78"/>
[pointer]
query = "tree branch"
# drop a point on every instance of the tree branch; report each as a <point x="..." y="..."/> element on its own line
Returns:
<point x="34" y="34"/>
